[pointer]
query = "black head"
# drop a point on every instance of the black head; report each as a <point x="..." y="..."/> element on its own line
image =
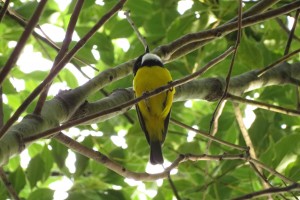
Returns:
<point x="147" y="59"/>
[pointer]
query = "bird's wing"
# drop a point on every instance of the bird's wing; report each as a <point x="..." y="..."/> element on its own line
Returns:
<point x="142" y="122"/>
<point x="166" y="124"/>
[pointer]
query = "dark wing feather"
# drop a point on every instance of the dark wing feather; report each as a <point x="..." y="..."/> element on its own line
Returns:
<point x="166" y="123"/>
<point x="142" y="122"/>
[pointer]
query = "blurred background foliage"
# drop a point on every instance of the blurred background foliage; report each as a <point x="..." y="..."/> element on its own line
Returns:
<point x="48" y="170"/>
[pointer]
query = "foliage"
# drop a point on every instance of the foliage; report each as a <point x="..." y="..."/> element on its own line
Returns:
<point x="275" y="136"/>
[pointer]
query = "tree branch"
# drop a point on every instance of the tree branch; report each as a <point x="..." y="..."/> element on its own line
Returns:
<point x="4" y="9"/>
<point x="123" y="70"/>
<point x="173" y="187"/>
<point x="130" y="103"/>
<point x="274" y="190"/>
<point x="291" y="35"/>
<point x="282" y="25"/>
<point x="166" y="51"/>
<point x="237" y="43"/>
<point x="208" y="136"/>
<point x="59" y="66"/>
<point x="282" y="59"/>
<point x="8" y="185"/>
<point x="248" y="141"/>
<point x="22" y="41"/>
<point x="270" y="170"/>
<point x="62" y="52"/>
<point x="265" y="106"/>
<point x="16" y="17"/>
<point x="244" y="131"/>
<point x="122" y="171"/>
<point x="259" y="7"/>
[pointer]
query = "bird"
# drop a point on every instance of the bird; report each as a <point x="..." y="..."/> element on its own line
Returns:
<point x="153" y="112"/>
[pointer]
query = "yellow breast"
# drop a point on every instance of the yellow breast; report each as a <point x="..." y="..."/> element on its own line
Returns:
<point x="148" y="79"/>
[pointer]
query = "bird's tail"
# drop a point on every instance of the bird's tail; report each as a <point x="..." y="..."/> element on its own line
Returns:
<point x="156" y="156"/>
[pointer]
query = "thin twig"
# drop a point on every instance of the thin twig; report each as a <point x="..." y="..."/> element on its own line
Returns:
<point x="237" y="43"/>
<point x="259" y="172"/>
<point x="122" y="171"/>
<point x="59" y="66"/>
<point x="216" y="123"/>
<point x="274" y="190"/>
<point x="1" y="108"/>
<point x="64" y="48"/>
<point x="287" y="48"/>
<point x="15" y="16"/>
<point x="4" y="9"/>
<point x="220" y="106"/>
<point x="208" y="136"/>
<point x="139" y="35"/>
<point x="298" y="98"/>
<point x="270" y="170"/>
<point x="283" y="26"/>
<point x="239" y="119"/>
<point x="265" y="106"/>
<point x="182" y="81"/>
<point x="248" y="141"/>
<point x="289" y="42"/>
<point x="22" y="41"/>
<point x="291" y="192"/>
<point x="282" y="59"/>
<point x="173" y="187"/>
<point x="259" y="7"/>
<point x="8" y="185"/>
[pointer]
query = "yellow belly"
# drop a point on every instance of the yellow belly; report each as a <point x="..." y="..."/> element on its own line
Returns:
<point x="154" y="109"/>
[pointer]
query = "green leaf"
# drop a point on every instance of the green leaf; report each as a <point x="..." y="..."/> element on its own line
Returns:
<point x="85" y="55"/>
<point x="190" y="147"/>
<point x="3" y="191"/>
<point x="120" y="29"/>
<point x="17" y="179"/>
<point x="34" y="149"/>
<point x="59" y="153"/>
<point x="117" y="154"/>
<point x="247" y="51"/>
<point x="48" y="160"/>
<point x="8" y="88"/>
<point x="27" y="9"/>
<point x="35" y="170"/>
<point x="154" y="27"/>
<point x="293" y="170"/>
<point x="69" y="77"/>
<point x="41" y="194"/>
<point x="138" y="10"/>
<point x="82" y="161"/>
<point x="13" y="163"/>
<point x="220" y="190"/>
<point x="9" y="34"/>
<point x="180" y="25"/>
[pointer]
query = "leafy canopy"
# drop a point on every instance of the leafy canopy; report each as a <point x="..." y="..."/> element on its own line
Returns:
<point x="46" y="163"/>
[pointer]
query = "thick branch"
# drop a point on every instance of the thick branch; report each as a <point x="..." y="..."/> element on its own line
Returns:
<point x="130" y="103"/>
<point x="166" y="51"/>
<point x="209" y="89"/>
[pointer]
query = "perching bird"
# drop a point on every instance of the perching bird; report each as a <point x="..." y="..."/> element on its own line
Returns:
<point x="154" y="112"/>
